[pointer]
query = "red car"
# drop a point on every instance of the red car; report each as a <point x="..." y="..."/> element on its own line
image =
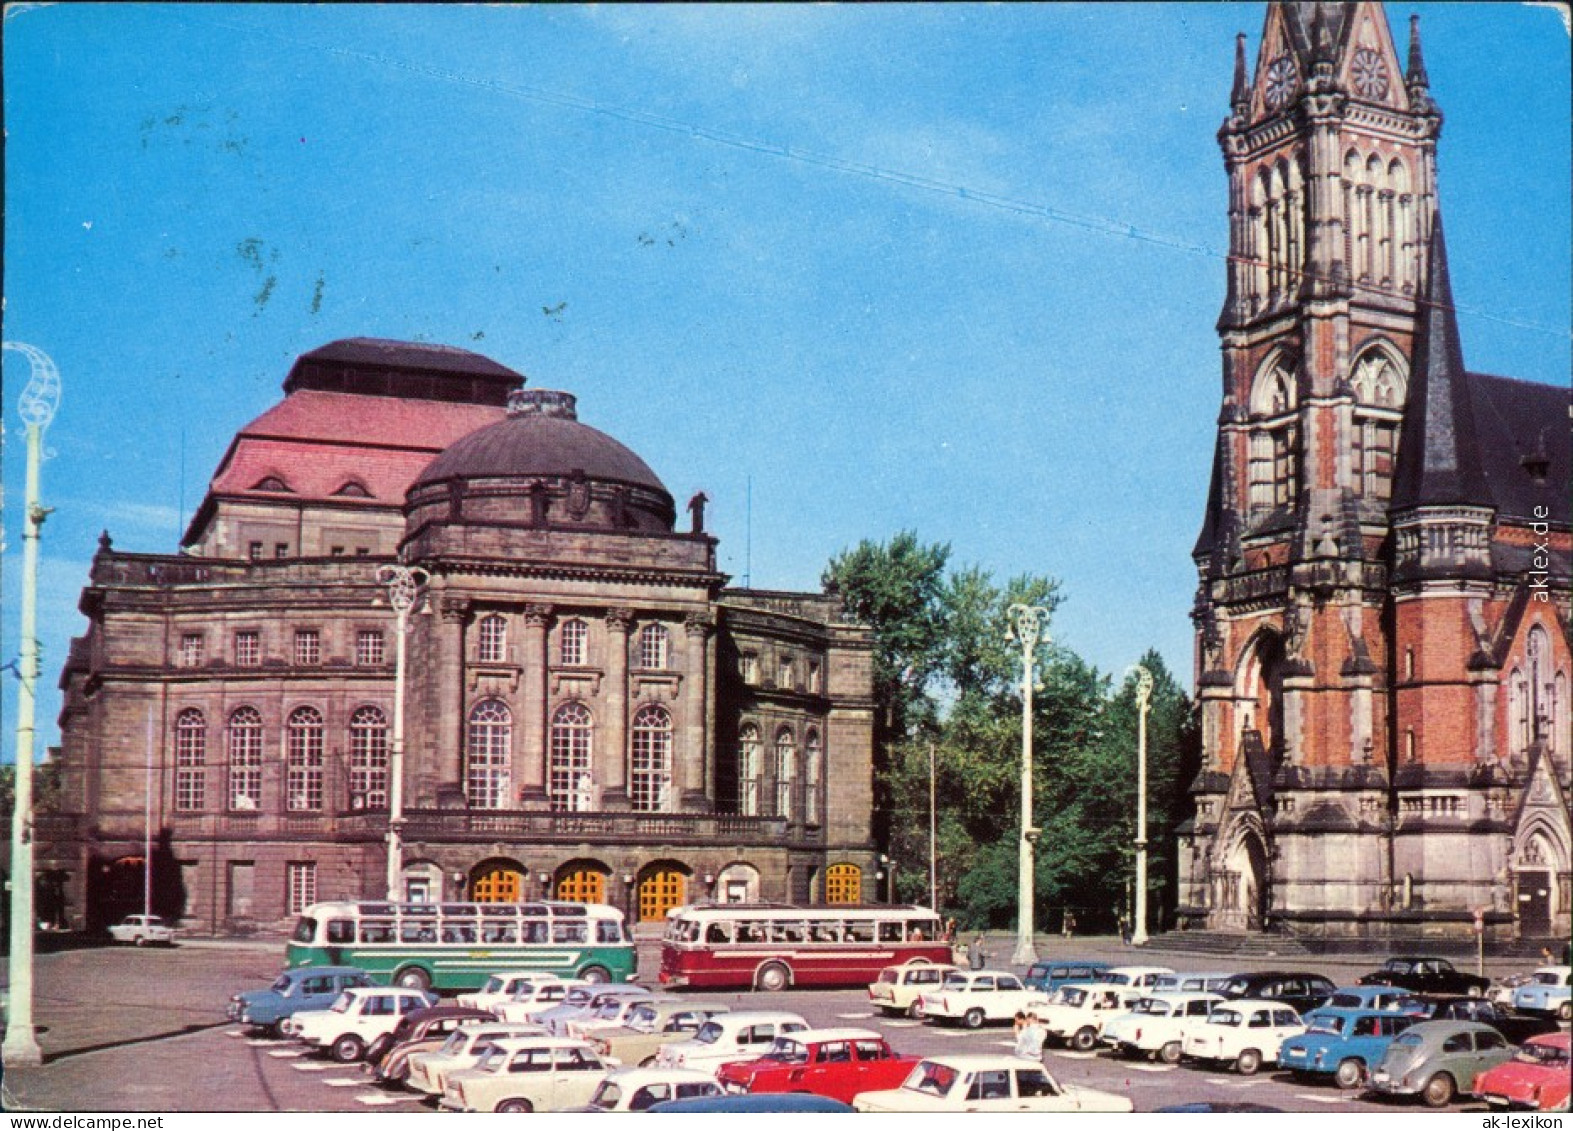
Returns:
<point x="838" y="1063"/>
<point x="1538" y="1077"/>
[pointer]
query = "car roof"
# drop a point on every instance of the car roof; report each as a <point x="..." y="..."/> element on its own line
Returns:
<point x="516" y="1028"/>
<point x="537" y="975"/>
<point x="442" y="1012"/>
<point x="813" y="1036"/>
<point x="1561" y="1040"/>
<point x="974" y="1061"/>
<point x="1553" y="969"/>
<point x="1253" y="1002"/>
<point x="322" y="971"/>
<point x="986" y="973"/>
<point x="1427" y="1028"/>
<point x="1347" y="1011"/>
<point x="514" y="1044"/>
<point x="754" y="1016"/>
<point x="364" y="991"/>
<point x="1180" y="996"/>
<point x="1053" y="962"/>
<point x="765" y="1102"/>
<point x="1138" y="970"/>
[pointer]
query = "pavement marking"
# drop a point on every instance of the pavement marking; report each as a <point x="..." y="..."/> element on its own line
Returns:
<point x="953" y="1033"/>
<point x="1219" y="1080"/>
<point x="346" y="1082"/>
<point x="1323" y="1099"/>
<point x="235" y="1033"/>
<point x="901" y="1024"/>
<point x="852" y="1016"/>
<point x="1150" y="1067"/>
<point x="312" y="1066"/>
<point x="263" y="1043"/>
<point x="1077" y="1055"/>
<point x="286" y="1054"/>
<point x="384" y="1101"/>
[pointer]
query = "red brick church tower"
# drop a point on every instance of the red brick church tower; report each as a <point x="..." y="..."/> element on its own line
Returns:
<point x="1382" y="615"/>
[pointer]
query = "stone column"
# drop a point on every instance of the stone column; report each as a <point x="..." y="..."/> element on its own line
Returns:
<point x="693" y="782"/>
<point x="445" y="731"/>
<point x="532" y="776"/>
<point x="611" y="747"/>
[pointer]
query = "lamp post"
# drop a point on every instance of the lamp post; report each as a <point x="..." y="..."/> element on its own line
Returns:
<point x="40" y="398"/>
<point x="1026" y="628"/>
<point x="1143" y="701"/>
<point x="404" y="590"/>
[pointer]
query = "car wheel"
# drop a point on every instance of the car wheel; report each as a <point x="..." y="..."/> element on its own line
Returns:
<point x="973" y="1018"/>
<point x="1565" y="1011"/>
<point x="1350" y="1074"/>
<point x="915" y="1011"/>
<point x="514" y="1107"/>
<point x="647" y="1062"/>
<point x="348" y="1049"/>
<point x="141" y="940"/>
<point x="398" y="1074"/>
<point x="1170" y="1053"/>
<point x="1084" y="1039"/>
<point x="275" y="1030"/>
<point x="773" y="978"/>
<point x="413" y="978"/>
<point x="1439" y="1090"/>
<point x="596" y="974"/>
<point x="1248" y="1062"/>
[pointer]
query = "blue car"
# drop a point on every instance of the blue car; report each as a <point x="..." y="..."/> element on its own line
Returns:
<point x="295" y="991"/>
<point x="1550" y="994"/>
<point x="1046" y="976"/>
<point x="1376" y="999"/>
<point x="1343" y="1043"/>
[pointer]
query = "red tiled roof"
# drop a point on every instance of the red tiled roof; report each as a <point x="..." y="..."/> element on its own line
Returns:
<point x="312" y="414"/>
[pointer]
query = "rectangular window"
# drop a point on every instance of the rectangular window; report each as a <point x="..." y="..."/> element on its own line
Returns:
<point x="748" y="665"/>
<point x="308" y="646"/>
<point x="336" y="551"/>
<point x="302" y="879"/>
<point x="191" y="650"/>
<point x="368" y="648"/>
<point x="281" y="549"/>
<point x="254" y="551"/>
<point x="248" y="649"/>
<point x="788" y="675"/>
<point x="813" y="677"/>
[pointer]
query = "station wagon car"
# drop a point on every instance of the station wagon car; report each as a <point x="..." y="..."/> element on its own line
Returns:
<point x="986" y="1083"/>
<point x="357" y="1019"/>
<point x="463" y="1048"/>
<point x="1075" y="1012"/>
<point x="533" y="998"/>
<point x="1183" y="982"/>
<point x="424" y="1030"/>
<point x="654" y="1022"/>
<point x="295" y="991"/>
<point x="728" y="1037"/>
<point x="1342" y="1043"/>
<point x="502" y="986"/>
<point x="1136" y="977"/>
<point x="898" y="988"/>
<point x="1547" y="993"/>
<point x="611" y="1013"/>
<point x="1538" y="1078"/>
<point x="972" y="997"/>
<point x="838" y="1063"/>
<point x="1157" y="1024"/>
<point x="582" y="1001"/>
<point x="1248" y="1033"/>
<point x="519" y="1074"/>
<point x="1426" y="974"/>
<point x="1047" y="976"/>
<point x="640" y="1089"/>
<point x="1436" y="1060"/>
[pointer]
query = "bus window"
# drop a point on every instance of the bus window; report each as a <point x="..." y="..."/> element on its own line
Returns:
<point x="860" y="932"/>
<point x="788" y="932"/>
<point x="608" y="930"/>
<point x="458" y="932"/>
<point x="375" y="932"/>
<point x="418" y="933"/>
<point x="532" y="931"/>
<point x="341" y="930"/>
<point x="570" y="932"/>
<point x="499" y="932"/>
<point x="827" y="932"/>
<point x="890" y="932"/>
<point x="305" y="930"/>
<point x="719" y="933"/>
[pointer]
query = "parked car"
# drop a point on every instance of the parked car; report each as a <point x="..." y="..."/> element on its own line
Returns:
<point x="986" y="1083"/>
<point x="533" y="998"/>
<point x="653" y="1023"/>
<point x="1301" y="991"/>
<point x="640" y="1089"/>
<point x="1136" y="977"/>
<point x="1538" y="1077"/>
<point x="753" y="1105"/>
<point x="897" y="988"/>
<point x="501" y="987"/>
<point x="1501" y="991"/>
<point x="1376" y="998"/>
<point x="357" y="1019"/>
<point x="1425" y="974"/>
<point x="1342" y="1043"/>
<point x="1549" y="993"/>
<point x="423" y="1030"/>
<point x="519" y="1074"/>
<point x="972" y="997"/>
<point x="611" y="1013"/>
<point x="1516" y="1027"/>
<point x="1436" y="1060"/>
<point x="1248" y="1033"/>
<point x="143" y="930"/>
<point x="1183" y="982"/>
<point x="730" y="1036"/>
<point x="581" y="1001"/>
<point x="1075" y="1012"/>
<point x="1048" y="976"/>
<point x="838" y="1063"/>
<point x="463" y="1049"/>
<point x="294" y="991"/>
<point x="1157" y="1024"/>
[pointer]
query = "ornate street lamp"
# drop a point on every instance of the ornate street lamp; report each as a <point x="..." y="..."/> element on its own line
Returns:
<point x="38" y="403"/>
<point x="1143" y="701"/>
<point x="404" y="590"/>
<point x="1026" y="627"/>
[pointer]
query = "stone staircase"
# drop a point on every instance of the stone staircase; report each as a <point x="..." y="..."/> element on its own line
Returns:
<point x="1230" y="944"/>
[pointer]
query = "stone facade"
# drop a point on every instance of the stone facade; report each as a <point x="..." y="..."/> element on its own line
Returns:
<point x="1382" y="649"/>
<point x="589" y="712"/>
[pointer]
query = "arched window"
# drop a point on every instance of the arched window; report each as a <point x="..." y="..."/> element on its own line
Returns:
<point x="1275" y="443"/>
<point x="653" y="640"/>
<point x="748" y="770"/>
<point x="786" y="771"/>
<point x="1561" y="723"/>
<point x="1378" y="384"/>
<point x="651" y="784"/>
<point x="570" y="787"/>
<point x="843" y="884"/>
<point x="191" y="756"/>
<point x="493" y="640"/>
<point x="488" y="768"/>
<point x="573" y="641"/>
<point x="244" y="738"/>
<point x="369" y="758"/>
<point x="1537" y="650"/>
<point x="582" y="885"/>
<point x="814" y="759"/>
<point x="497" y="883"/>
<point x="303" y="761"/>
<point x="1518" y="719"/>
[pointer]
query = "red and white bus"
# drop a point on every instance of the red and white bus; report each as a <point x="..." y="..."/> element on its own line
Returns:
<point x="770" y="946"/>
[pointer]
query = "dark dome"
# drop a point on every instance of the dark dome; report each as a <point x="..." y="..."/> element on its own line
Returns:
<point x="541" y="437"/>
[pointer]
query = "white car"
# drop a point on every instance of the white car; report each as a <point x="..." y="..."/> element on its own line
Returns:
<point x="639" y="1089"/>
<point x="535" y="997"/>
<point x="1157" y="1025"/>
<point x="464" y="1047"/>
<point x="1075" y="1012"/>
<point x="898" y="987"/>
<point x="972" y="997"/>
<point x="143" y="930"/>
<point x="986" y="1083"/>
<point x="1245" y="1032"/>
<point x="501" y="987"/>
<point x="1137" y="977"/>
<point x="728" y="1037"/>
<point x="613" y="1013"/>
<point x="357" y="1019"/>
<point x="519" y="1074"/>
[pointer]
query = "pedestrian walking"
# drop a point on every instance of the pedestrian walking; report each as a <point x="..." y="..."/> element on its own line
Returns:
<point x="1030" y="1035"/>
<point x="977" y="953"/>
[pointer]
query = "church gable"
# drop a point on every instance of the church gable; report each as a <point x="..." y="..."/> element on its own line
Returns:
<point x="1368" y="65"/>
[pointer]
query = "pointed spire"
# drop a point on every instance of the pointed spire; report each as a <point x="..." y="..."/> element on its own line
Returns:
<point x="1416" y="76"/>
<point x="1438" y="454"/>
<point x="1321" y="39"/>
<point x="1240" y="96"/>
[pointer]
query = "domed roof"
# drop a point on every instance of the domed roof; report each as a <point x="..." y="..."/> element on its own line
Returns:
<point x="542" y="436"/>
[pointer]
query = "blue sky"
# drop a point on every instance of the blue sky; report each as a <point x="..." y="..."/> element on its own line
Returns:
<point x="948" y="268"/>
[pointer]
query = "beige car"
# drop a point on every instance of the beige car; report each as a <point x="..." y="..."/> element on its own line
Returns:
<point x="463" y="1049"/>
<point x="522" y="1074"/>
<point x="898" y="987"/>
<point x="653" y="1023"/>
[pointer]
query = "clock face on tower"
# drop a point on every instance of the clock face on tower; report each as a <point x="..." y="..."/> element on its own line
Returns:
<point x="1369" y="73"/>
<point x="1282" y="81"/>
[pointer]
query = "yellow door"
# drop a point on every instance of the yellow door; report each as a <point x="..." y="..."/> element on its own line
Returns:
<point x="497" y="885"/>
<point x="659" y="892"/>
<point x="843" y="884"/>
<point x="582" y="886"/>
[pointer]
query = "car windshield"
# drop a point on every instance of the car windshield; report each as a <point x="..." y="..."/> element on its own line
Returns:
<point x="1111" y="978"/>
<point x="305" y="929"/>
<point x="494" y="985"/>
<point x="1319" y="1023"/>
<point x="642" y="1018"/>
<point x="788" y="1051"/>
<point x="1548" y="978"/>
<point x="889" y="976"/>
<point x="280" y="984"/>
<point x="606" y="1096"/>
<point x="1153" y="1006"/>
<point x="494" y="1060"/>
<point x="1069" y="995"/>
<point x="1345" y="1001"/>
<point x="709" y="1033"/>
<point x="1397" y="966"/>
<point x="609" y="1009"/>
<point x="931" y="1078"/>
<point x="1549" y="1055"/>
<point x="454" y="1044"/>
<point x="346" y="999"/>
<point x="1225" y="1017"/>
<point x="1236" y="987"/>
<point x="1408" y="1040"/>
<point x="578" y="997"/>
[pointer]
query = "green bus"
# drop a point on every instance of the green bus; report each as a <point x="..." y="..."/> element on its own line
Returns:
<point x="454" y="946"/>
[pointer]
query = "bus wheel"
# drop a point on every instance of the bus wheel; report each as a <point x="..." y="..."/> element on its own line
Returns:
<point x="595" y="974"/>
<point x="413" y="978"/>
<point x="773" y="978"/>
